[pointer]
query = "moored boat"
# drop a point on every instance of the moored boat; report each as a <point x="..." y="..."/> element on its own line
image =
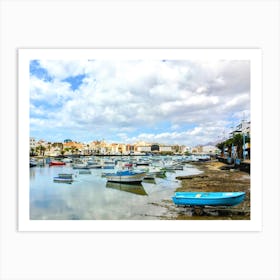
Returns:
<point x="80" y="166"/>
<point x="84" y="171"/>
<point x="54" y="163"/>
<point x="32" y="163"/>
<point x="65" y="175"/>
<point x="126" y="176"/>
<point x="62" y="180"/>
<point x="208" y="198"/>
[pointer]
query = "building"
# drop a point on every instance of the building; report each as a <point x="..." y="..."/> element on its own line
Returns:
<point x="164" y="148"/>
<point x="242" y="128"/>
<point x="32" y="145"/>
<point x="143" y="149"/>
<point x="73" y="147"/>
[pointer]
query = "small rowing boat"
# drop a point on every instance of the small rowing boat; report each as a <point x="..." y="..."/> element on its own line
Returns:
<point x="126" y="176"/>
<point x="62" y="180"/>
<point x="208" y="198"/>
<point x="54" y="163"/>
<point x="65" y="175"/>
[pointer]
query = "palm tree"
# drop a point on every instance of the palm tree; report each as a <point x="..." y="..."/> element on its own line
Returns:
<point x="32" y="150"/>
<point x="41" y="149"/>
<point x="221" y="146"/>
<point x="237" y="141"/>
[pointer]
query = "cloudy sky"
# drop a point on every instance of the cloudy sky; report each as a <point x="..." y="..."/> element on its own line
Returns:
<point x="164" y="101"/>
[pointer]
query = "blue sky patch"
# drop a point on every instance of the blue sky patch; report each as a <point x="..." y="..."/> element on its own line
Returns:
<point x="38" y="71"/>
<point x="75" y="81"/>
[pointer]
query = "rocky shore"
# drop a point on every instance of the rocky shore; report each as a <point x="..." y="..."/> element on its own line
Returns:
<point x="215" y="179"/>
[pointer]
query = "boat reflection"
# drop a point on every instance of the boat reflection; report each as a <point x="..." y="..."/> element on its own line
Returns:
<point x="136" y="189"/>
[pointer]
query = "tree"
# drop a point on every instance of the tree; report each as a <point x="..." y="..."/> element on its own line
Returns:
<point x="221" y="146"/>
<point x="32" y="151"/>
<point x="41" y="149"/>
<point x="228" y="144"/>
<point x="237" y="141"/>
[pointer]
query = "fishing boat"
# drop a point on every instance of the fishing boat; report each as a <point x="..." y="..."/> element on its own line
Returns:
<point x="208" y="198"/>
<point x="65" y="175"/>
<point x="32" y="162"/>
<point x="80" y="166"/>
<point x="62" y="180"/>
<point x="126" y="176"/>
<point x="84" y="171"/>
<point x="54" y="163"/>
<point x="108" y="166"/>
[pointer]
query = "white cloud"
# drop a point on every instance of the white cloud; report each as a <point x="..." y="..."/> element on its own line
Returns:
<point x="120" y="98"/>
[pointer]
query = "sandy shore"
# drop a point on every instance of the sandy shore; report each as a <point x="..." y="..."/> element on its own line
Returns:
<point x="213" y="179"/>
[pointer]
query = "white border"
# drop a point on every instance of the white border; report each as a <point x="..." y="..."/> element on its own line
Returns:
<point x="254" y="224"/>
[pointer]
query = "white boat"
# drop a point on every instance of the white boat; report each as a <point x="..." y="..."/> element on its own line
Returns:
<point x="67" y="160"/>
<point x="32" y="162"/>
<point x="80" y="166"/>
<point x="62" y="180"/>
<point x="65" y="175"/>
<point x="126" y="176"/>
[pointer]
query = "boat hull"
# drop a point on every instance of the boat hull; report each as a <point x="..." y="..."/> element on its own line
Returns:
<point x="56" y="163"/>
<point x="65" y="175"/>
<point x="62" y="180"/>
<point x="208" y="198"/>
<point x="125" y="177"/>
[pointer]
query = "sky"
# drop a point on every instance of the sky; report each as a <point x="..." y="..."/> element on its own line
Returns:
<point x="185" y="102"/>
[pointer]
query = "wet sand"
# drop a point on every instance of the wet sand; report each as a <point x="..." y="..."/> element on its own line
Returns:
<point x="213" y="179"/>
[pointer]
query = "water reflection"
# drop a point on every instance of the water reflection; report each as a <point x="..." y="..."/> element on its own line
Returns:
<point x="136" y="189"/>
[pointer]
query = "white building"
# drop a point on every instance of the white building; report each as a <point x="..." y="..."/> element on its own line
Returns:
<point x="242" y="128"/>
<point x="210" y="149"/>
<point x="165" y="148"/>
<point x="32" y="142"/>
<point x="143" y="149"/>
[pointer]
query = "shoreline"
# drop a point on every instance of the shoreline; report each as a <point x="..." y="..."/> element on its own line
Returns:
<point x="213" y="179"/>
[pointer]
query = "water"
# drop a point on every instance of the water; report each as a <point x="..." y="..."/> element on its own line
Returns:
<point x="90" y="197"/>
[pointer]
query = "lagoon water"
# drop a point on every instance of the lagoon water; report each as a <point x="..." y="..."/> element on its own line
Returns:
<point x="90" y="197"/>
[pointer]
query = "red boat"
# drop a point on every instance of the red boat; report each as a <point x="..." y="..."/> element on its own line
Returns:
<point x="56" y="163"/>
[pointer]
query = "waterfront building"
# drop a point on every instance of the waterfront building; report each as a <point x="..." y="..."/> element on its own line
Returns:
<point x="143" y="149"/>
<point x="129" y="149"/>
<point x="209" y="149"/>
<point x="165" y="148"/>
<point x="72" y="147"/>
<point x="242" y="128"/>
<point x="32" y="145"/>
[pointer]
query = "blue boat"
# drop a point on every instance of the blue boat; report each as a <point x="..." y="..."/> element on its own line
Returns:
<point x="208" y="198"/>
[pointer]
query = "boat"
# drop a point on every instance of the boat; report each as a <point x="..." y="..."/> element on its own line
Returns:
<point x="149" y="176"/>
<point x="135" y="189"/>
<point x="80" y="166"/>
<point x="84" y="171"/>
<point x="67" y="160"/>
<point x="65" y="175"/>
<point x="32" y="162"/>
<point x="125" y="176"/>
<point x="53" y="163"/>
<point x="208" y="198"/>
<point x="94" y="166"/>
<point x="108" y="166"/>
<point x="62" y="180"/>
